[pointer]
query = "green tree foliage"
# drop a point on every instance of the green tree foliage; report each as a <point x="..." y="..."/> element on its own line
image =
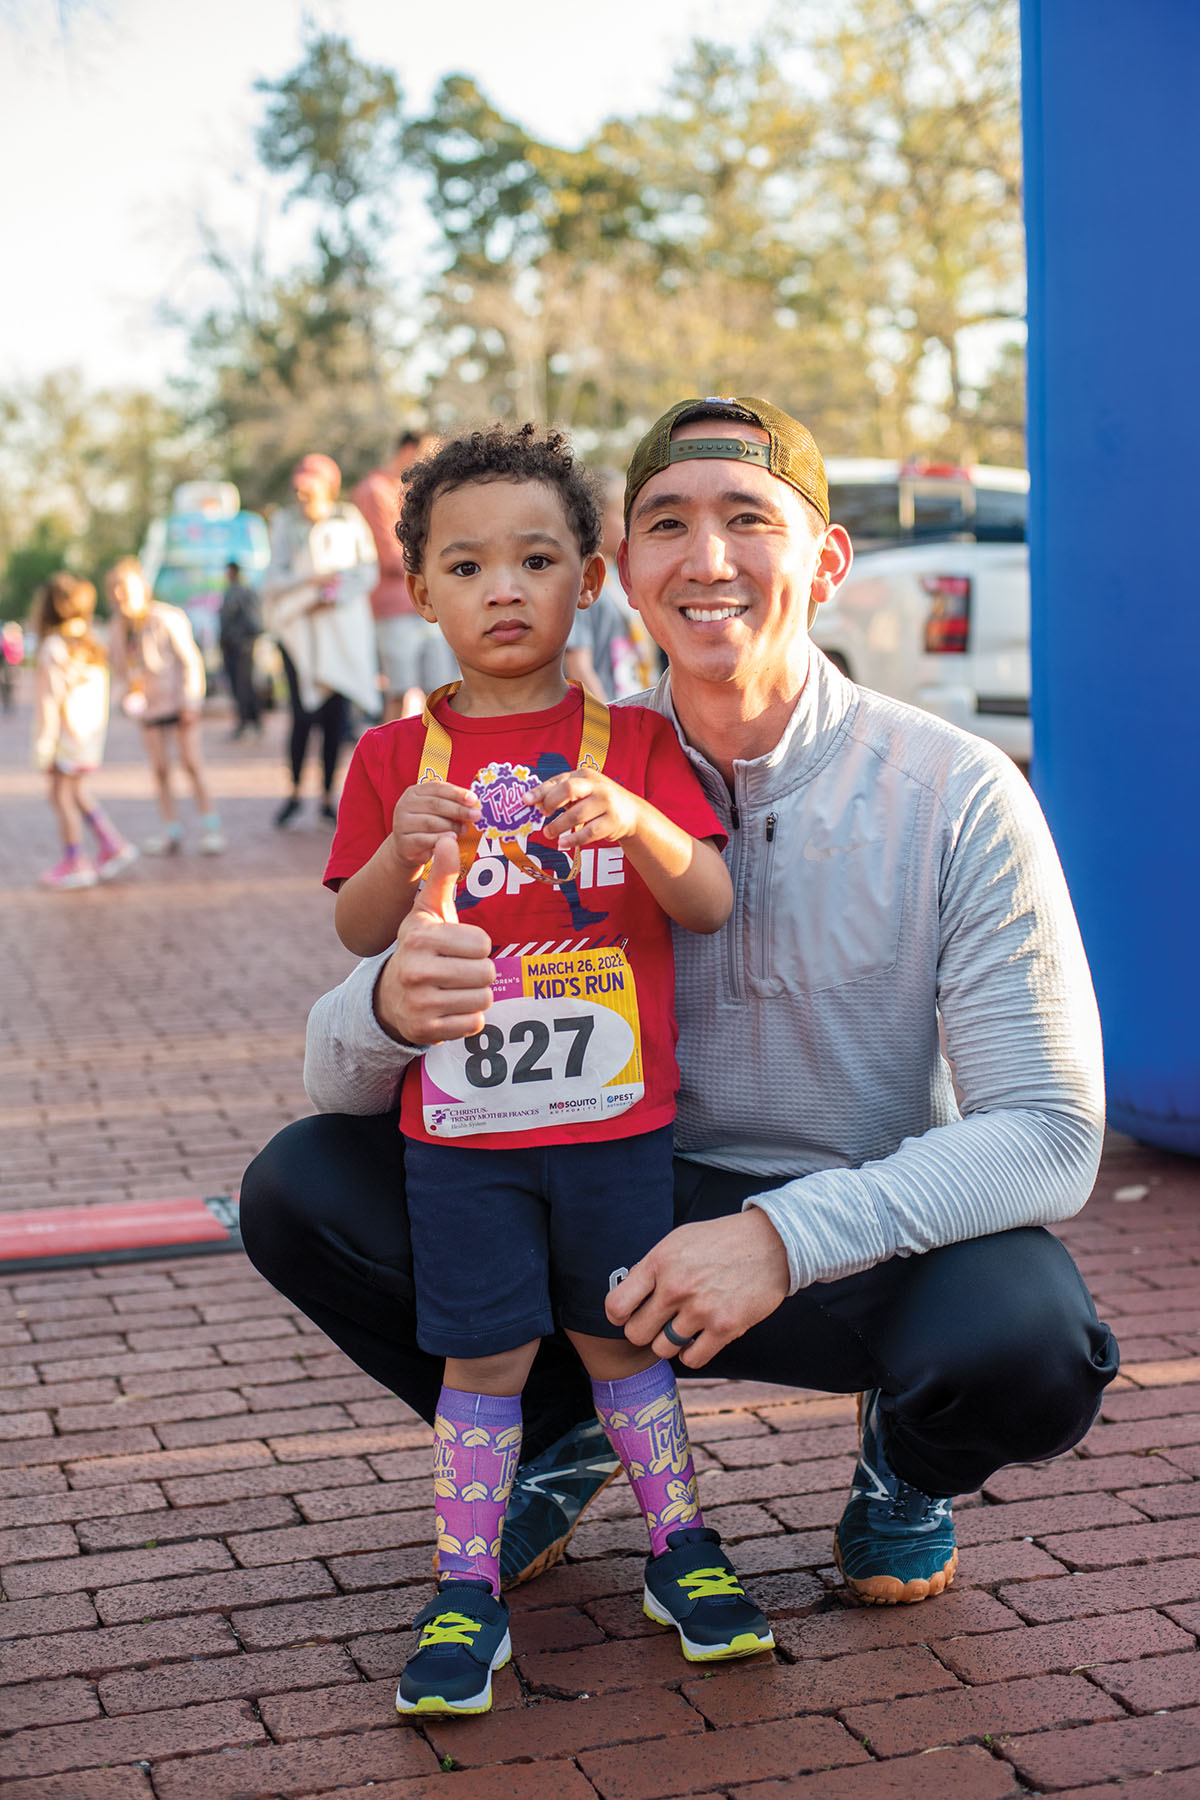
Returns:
<point x="295" y="371"/>
<point x="44" y="550"/>
<point x="593" y="285"/>
<point x="828" y="214"/>
<point x="82" y="473"/>
<point x="997" y="409"/>
<point x="312" y="360"/>
<point x="920" y="158"/>
<point x="332" y="128"/>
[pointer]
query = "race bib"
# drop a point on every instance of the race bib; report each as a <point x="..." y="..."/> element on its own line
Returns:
<point x="561" y="1043"/>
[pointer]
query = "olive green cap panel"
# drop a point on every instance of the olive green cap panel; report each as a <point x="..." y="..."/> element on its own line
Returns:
<point x="728" y="449"/>
<point x="790" y="453"/>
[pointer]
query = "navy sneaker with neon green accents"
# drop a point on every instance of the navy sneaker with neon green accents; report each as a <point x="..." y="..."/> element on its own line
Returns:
<point x="464" y="1638"/>
<point x="692" y="1585"/>
<point x="894" y="1543"/>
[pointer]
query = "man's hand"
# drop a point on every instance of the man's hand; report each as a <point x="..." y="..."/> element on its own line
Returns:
<point x="426" y="812"/>
<point x="437" y="983"/>
<point x="711" y="1281"/>
<point x="590" y="807"/>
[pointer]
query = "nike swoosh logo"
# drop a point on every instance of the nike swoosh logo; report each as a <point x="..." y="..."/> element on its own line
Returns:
<point x="822" y="852"/>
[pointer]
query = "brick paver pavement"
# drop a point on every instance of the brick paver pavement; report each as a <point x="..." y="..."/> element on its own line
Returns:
<point x="214" y="1529"/>
<point x="152" y="1029"/>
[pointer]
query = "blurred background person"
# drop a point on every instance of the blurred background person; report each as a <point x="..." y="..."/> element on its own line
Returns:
<point x="316" y="605"/>
<point x="12" y="655"/>
<point x="240" y="628"/>
<point x="70" y="721"/>
<point x="414" y="657"/>
<point x="609" y="651"/>
<point x="159" y="673"/>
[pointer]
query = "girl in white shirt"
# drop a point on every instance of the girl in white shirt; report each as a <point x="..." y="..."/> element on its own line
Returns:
<point x="70" y="723"/>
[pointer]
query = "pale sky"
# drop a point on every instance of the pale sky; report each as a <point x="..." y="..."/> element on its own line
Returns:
<point x="121" y="121"/>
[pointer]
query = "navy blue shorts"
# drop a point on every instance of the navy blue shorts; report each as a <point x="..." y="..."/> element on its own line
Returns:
<point x="510" y="1244"/>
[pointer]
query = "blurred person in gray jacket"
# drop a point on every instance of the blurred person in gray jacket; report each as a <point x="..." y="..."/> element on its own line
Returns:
<point x="891" y="1077"/>
<point x="240" y="628"/>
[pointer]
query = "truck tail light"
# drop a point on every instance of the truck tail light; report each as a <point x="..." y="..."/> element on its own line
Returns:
<point x="948" y="625"/>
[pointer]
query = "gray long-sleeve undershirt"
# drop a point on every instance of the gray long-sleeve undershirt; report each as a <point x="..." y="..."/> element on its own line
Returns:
<point x="888" y="869"/>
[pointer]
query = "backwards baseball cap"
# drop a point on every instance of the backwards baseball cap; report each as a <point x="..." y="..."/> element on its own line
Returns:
<point x="323" y="467"/>
<point x="790" y="452"/>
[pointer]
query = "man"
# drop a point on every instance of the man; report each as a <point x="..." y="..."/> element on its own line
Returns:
<point x="413" y="656"/>
<point x="843" y="1221"/>
<point x="240" y="628"/>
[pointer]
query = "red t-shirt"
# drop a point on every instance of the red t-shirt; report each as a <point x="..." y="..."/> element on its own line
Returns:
<point x="579" y="1043"/>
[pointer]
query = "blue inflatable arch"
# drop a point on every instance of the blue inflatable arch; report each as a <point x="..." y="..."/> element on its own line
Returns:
<point x="1112" y="166"/>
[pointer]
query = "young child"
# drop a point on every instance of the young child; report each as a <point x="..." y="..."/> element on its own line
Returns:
<point x="70" y="715"/>
<point x="538" y="1152"/>
<point x="160" y="671"/>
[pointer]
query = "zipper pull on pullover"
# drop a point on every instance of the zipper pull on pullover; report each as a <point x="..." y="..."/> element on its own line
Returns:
<point x="735" y="817"/>
<point x="772" y="822"/>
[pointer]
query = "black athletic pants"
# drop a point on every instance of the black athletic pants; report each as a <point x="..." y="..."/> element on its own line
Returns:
<point x="332" y="718"/>
<point x="986" y="1352"/>
<point x="238" y="656"/>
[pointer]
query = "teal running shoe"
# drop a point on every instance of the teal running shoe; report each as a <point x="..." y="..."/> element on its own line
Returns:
<point x="894" y="1542"/>
<point x="692" y="1586"/>
<point x="549" y="1497"/>
<point x="464" y="1638"/>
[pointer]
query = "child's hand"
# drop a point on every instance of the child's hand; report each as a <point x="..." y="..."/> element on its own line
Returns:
<point x="426" y="812"/>
<point x="594" y="807"/>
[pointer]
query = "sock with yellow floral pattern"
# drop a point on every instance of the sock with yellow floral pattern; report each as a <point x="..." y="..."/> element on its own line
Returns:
<point x="477" y="1441"/>
<point x="643" y="1417"/>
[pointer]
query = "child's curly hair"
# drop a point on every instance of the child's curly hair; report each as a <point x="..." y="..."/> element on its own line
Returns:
<point x="499" y="454"/>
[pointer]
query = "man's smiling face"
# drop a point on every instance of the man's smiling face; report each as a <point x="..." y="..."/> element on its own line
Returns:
<point x="720" y="560"/>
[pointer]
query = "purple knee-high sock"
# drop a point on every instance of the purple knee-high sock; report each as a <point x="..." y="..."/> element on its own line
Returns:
<point x="477" y="1443"/>
<point x="645" y="1424"/>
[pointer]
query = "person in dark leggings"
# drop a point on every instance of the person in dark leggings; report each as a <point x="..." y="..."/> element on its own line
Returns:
<point x="331" y="719"/>
<point x="890" y="1063"/>
<point x="322" y="568"/>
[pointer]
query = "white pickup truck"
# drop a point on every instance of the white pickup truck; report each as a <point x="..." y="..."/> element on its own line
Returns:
<point x="935" y="610"/>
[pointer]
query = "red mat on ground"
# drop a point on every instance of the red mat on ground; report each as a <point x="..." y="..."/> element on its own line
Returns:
<point x="122" y="1231"/>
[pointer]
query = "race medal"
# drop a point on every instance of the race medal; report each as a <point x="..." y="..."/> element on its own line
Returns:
<point x="502" y="786"/>
<point x="501" y="791"/>
<point x="561" y="1043"/>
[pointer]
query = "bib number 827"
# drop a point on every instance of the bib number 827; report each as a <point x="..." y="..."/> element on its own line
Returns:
<point x="487" y="1066"/>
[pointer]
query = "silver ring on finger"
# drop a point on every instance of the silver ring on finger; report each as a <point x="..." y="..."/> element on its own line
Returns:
<point x="673" y="1337"/>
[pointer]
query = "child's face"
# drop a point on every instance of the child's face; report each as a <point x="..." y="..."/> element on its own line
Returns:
<point x="504" y="576"/>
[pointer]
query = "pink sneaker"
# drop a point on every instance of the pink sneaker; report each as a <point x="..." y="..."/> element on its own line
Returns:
<point x="71" y="872"/>
<point x="110" y="862"/>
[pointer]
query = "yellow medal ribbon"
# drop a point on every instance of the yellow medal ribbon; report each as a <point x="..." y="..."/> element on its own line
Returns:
<point x="435" y="766"/>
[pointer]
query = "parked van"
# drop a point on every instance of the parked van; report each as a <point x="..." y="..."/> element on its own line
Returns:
<point x="935" y="610"/>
